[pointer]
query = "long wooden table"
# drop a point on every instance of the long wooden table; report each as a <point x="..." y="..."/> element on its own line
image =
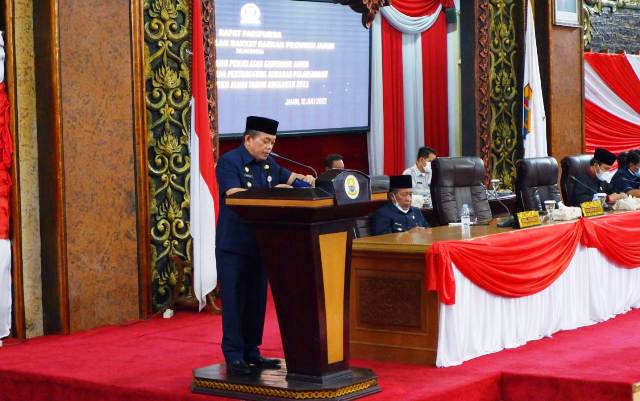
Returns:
<point x="392" y="316"/>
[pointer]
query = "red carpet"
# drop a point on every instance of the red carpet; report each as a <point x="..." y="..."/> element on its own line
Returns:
<point x="152" y="360"/>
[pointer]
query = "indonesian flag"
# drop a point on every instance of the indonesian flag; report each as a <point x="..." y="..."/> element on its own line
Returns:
<point x="203" y="186"/>
<point x="534" y="125"/>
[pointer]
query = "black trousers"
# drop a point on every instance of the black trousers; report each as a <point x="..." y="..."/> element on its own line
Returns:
<point x="243" y="289"/>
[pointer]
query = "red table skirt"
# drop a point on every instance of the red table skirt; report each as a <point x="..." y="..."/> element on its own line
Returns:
<point x="524" y="262"/>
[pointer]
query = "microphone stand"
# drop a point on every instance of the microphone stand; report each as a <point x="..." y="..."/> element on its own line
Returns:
<point x="573" y="177"/>
<point x="605" y="205"/>
<point x="509" y="220"/>
<point x="315" y="173"/>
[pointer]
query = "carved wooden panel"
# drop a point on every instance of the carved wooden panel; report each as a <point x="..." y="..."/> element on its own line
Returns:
<point x="385" y="301"/>
<point x="503" y="90"/>
<point x="167" y="95"/>
<point x="483" y="90"/>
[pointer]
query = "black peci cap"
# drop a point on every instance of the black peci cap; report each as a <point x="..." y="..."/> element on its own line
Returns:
<point x="262" y="124"/>
<point x="400" y="182"/>
<point x="604" y="156"/>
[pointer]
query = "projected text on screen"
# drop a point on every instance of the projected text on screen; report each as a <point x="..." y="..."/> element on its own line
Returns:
<point x="305" y="64"/>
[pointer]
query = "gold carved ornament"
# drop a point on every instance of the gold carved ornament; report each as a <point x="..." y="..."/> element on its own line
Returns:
<point x="167" y="96"/>
<point x="503" y="92"/>
<point x="281" y="393"/>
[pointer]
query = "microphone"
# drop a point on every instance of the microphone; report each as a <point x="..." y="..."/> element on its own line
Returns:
<point x="509" y="220"/>
<point x="573" y="177"/>
<point x="628" y="180"/>
<point x="315" y="173"/>
<point x="605" y="206"/>
<point x="506" y="208"/>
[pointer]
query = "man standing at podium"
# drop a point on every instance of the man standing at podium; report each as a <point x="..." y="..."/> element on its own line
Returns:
<point x="243" y="281"/>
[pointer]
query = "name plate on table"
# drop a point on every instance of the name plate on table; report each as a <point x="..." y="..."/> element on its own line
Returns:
<point x="593" y="208"/>
<point x="529" y="218"/>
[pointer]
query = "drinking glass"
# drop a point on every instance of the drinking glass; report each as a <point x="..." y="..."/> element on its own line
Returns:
<point x="602" y="197"/>
<point x="495" y="183"/>
<point x="550" y="204"/>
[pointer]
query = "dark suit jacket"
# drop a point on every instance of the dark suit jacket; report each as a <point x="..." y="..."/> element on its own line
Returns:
<point x="389" y="219"/>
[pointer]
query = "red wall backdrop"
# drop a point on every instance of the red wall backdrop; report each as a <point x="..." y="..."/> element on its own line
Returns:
<point x="312" y="149"/>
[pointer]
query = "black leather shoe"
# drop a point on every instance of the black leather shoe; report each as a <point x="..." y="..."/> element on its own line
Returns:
<point x="264" y="363"/>
<point x="238" y="367"/>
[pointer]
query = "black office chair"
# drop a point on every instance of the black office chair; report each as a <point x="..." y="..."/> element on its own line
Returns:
<point x="362" y="227"/>
<point x="536" y="182"/>
<point x="456" y="181"/>
<point x="572" y="166"/>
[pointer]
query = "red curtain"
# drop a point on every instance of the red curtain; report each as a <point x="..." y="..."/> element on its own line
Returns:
<point x="419" y="8"/>
<point x="604" y="130"/>
<point x="617" y="73"/>
<point x="618" y="237"/>
<point x="512" y="264"/>
<point x="6" y="151"/>
<point x="435" y="86"/>
<point x="393" y="104"/>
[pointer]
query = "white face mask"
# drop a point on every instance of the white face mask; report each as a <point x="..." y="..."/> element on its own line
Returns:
<point x="395" y="203"/>
<point x="427" y="168"/>
<point x="604" y="176"/>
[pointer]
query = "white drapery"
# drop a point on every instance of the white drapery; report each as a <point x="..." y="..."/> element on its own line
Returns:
<point x="412" y="94"/>
<point x="376" y="135"/>
<point x="634" y="60"/>
<point x="411" y="28"/>
<point x="5" y="288"/>
<point x="453" y="83"/>
<point x="407" y="24"/>
<point x="591" y="290"/>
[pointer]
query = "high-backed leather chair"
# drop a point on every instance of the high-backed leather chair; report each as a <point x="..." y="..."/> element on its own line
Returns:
<point x="536" y="182"/>
<point x="572" y="166"/>
<point x="456" y="181"/>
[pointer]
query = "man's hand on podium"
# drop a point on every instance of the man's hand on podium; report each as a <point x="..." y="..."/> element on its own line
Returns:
<point x="283" y="186"/>
<point x="309" y="179"/>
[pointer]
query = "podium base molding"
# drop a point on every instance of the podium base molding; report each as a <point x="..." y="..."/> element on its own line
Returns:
<point x="273" y="384"/>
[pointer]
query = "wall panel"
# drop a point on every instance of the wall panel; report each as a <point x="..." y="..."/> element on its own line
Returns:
<point x="87" y="163"/>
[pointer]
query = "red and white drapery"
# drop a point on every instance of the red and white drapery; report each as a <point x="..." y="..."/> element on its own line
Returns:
<point x="409" y="100"/>
<point x="612" y="101"/>
<point x="522" y="263"/>
<point x="501" y="291"/>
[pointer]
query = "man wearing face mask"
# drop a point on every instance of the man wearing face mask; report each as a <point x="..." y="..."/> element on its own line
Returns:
<point x="420" y="174"/>
<point x="398" y="215"/>
<point x="595" y="179"/>
<point x="627" y="179"/>
<point x="243" y="282"/>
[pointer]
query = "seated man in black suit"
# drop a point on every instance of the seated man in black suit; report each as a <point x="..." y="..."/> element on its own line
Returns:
<point x="595" y="179"/>
<point x="398" y="215"/>
<point x="627" y="178"/>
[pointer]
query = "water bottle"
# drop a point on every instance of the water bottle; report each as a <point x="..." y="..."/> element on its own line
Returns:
<point x="538" y="202"/>
<point x="465" y="217"/>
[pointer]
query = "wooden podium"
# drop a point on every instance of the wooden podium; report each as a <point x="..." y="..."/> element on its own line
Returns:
<point x="305" y="237"/>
